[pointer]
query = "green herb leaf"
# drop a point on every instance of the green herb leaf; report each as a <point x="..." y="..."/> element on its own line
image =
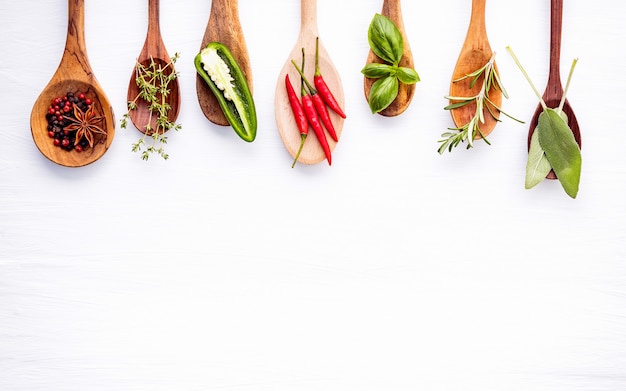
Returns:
<point x="376" y="70"/>
<point x="561" y="149"/>
<point x="385" y="39"/>
<point x="383" y="92"/>
<point x="407" y="75"/>
<point x="538" y="166"/>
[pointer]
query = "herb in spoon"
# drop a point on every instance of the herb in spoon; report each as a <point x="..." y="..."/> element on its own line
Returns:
<point x="553" y="145"/>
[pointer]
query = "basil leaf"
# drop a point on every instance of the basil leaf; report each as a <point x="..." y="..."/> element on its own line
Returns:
<point x="376" y="70"/>
<point x="407" y="75"/>
<point x="561" y="149"/>
<point x="538" y="166"/>
<point x="383" y="92"/>
<point x="385" y="39"/>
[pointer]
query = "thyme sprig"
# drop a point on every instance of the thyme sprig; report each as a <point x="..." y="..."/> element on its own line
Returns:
<point x="471" y="129"/>
<point x="153" y="81"/>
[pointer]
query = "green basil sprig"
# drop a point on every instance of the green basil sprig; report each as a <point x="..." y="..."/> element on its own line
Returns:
<point x="386" y="42"/>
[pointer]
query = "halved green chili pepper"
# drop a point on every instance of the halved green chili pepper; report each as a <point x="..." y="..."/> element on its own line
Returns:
<point x="219" y="69"/>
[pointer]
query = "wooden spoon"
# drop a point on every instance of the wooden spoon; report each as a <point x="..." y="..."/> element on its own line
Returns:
<point x="554" y="91"/>
<point x="475" y="53"/>
<point x="224" y="27"/>
<point x="312" y="152"/>
<point x="392" y="10"/>
<point x="74" y="75"/>
<point x="153" y="49"/>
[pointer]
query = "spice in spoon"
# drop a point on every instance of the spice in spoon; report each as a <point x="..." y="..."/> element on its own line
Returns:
<point x="471" y="130"/>
<point x="552" y="144"/>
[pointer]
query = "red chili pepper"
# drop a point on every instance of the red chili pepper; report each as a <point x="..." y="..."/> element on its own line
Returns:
<point x="311" y="114"/>
<point x="320" y="107"/>
<point x="322" y="87"/>
<point x="299" y="115"/>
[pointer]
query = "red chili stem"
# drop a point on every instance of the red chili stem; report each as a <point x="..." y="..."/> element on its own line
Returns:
<point x="320" y="107"/>
<point x="322" y="87"/>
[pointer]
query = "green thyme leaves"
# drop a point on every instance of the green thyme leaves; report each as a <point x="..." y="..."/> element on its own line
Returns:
<point x="386" y="42"/>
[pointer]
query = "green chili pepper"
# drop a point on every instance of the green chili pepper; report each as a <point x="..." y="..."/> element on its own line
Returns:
<point x="219" y="69"/>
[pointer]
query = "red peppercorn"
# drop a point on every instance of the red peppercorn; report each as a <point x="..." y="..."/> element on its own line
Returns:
<point x="81" y="96"/>
<point x="57" y="142"/>
<point x="78" y="148"/>
<point x="88" y="101"/>
<point x="65" y="142"/>
<point x="51" y="134"/>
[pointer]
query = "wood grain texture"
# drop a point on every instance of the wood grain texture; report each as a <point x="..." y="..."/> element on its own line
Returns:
<point x="153" y="50"/>
<point x="223" y="26"/>
<point x="312" y="152"/>
<point x="74" y="74"/>
<point x="393" y="10"/>
<point x="475" y="53"/>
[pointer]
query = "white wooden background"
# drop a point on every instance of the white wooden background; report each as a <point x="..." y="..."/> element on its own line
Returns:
<point x="395" y="269"/>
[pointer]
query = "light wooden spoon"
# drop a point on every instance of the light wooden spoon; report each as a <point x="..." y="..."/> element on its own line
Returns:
<point x="392" y="10"/>
<point x="554" y="89"/>
<point x="74" y="74"/>
<point x="475" y="53"/>
<point x="312" y="152"/>
<point x="153" y="49"/>
<point x="224" y="27"/>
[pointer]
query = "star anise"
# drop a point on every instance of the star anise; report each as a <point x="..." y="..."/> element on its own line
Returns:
<point x="86" y="124"/>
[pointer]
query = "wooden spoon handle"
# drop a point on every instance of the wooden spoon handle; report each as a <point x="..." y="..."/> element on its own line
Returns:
<point x="556" y="24"/>
<point x="154" y="28"/>
<point x="75" y="47"/>
<point x="477" y="27"/>
<point x="308" y="17"/>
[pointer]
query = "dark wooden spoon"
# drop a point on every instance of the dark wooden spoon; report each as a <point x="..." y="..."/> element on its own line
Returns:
<point x="554" y="90"/>
<point x="74" y="75"/>
<point x="153" y="50"/>
<point x="392" y="9"/>
<point x="224" y="27"/>
<point x="475" y="53"/>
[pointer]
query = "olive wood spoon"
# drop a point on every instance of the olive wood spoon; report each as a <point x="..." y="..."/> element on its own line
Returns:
<point x="224" y="27"/>
<point x="554" y="90"/>
<point x="475" y="53"/>
<point x="153" y="49"/>
<point x="312" y="152"/>
<point x="74" y="74"/>
<point x="392" y="10"/>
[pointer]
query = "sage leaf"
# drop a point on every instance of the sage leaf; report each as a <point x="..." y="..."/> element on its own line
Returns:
<point x="385" y="39"/>
<point x="383" y="92"/>
<point x="376" y="70"/>
<point x="561" y="149"/>
<point x="538" y="166"/>
<point x="407" y="75"/>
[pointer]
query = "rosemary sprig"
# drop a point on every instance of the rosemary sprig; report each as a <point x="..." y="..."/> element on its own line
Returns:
<point x="153" y="82"/>
<point x="471" y="129"/>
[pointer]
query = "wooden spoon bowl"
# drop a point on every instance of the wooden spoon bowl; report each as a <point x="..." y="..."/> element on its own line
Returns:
<point x="554" y="91"/>
<point x="392" y="10"/>
<point x="74" y="75"/>
<point x="223" y="26"/>
<point x="312" y="152"/>
<point x="475" y="53"/>
<point x="153" y="50"/>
